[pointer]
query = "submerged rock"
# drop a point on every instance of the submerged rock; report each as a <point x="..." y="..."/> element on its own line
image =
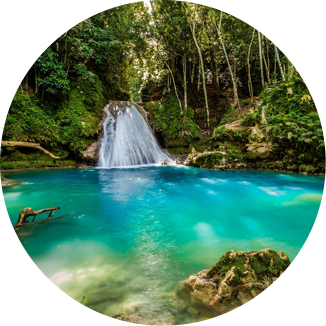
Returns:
<point x="237" y="278"/>
<point x="140" y="319"/>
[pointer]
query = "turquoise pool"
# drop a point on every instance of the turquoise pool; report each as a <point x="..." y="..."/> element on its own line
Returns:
<point x="137" y="232"/>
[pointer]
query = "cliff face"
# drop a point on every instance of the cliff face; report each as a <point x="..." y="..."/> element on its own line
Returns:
<point x="237" y="278"/>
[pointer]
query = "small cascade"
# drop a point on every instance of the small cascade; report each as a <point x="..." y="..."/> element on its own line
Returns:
<point x="128" y="139"/>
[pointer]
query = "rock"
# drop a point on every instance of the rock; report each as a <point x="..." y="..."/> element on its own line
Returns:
<point x="293" y="167"/>
<point x="140" y="319"/>
<point x="207" y="160"/>
<point x="260" y="150"/>
<point x="91" y="154"/>
<point x="307" y="168"/>
<point x="237" y="278"/>
<point x="257" y="134"/>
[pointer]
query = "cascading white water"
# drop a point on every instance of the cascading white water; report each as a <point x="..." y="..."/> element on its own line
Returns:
<point x="127" y="139"/>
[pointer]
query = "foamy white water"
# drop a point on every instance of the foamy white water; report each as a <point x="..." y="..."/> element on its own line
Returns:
<point x="128" y="139"/>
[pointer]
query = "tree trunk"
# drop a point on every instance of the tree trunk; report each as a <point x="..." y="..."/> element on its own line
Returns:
<point x="185" y="79"/>
<point x="26" y="83"/>
<point x="235" y="85"/>
<point x="5" y="143"/>
<point x="279" y="62"/>
<point x="36" y="83"/>
<point x="42" y="94"/>
<point x="266" y="66"/>
<point x="202" y="69"/>
<point x="261" y="61"/>
<point x="193" y="72"/>
<point x="268" y="62"/>
<point x="198" y="83"/>
<point x="235" y="92"/>
<point x="251" y="92"/>
<point x="175" y="87"/>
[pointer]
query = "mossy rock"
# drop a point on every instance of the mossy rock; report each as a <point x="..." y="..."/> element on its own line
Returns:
<point x="174" y="143"/>
<point x="151" y="107"/>
<point x="262" y="264"/>
<point x="208" y="160"/>
<point x="307" y="168"/>
<point x="231" y="259"/>
<point x="179" y="150"/>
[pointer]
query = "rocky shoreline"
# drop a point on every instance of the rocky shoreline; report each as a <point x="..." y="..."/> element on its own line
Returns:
<point x="235" y="279"/>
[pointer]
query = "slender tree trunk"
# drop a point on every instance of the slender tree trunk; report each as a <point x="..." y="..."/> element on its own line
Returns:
<point x="198" y="83"/>
<point x="26" y="83"/>
<point x="251" y="92"/>
<point x="261" y="61"/>
<point x="193" y="72"/>
<point x="235" y="78"/>
<point x="279" y="62"/>
<point x="175" y="87"/>
<point x="268" y="62"/>
<point x="236" y="98"/>
<point x="266" y="65"/>
<point x="36" y="84"/>
<point x="42" y="94"/>
<point x="185" y="79"/>
<point x="202" y="69"/>
<point x="212" y="61"/>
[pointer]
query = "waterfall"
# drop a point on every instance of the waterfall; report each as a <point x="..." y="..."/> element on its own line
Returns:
<point x="127" y="138"/>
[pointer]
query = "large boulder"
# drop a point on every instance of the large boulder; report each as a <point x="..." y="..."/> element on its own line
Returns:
<point x="237" y="278"/>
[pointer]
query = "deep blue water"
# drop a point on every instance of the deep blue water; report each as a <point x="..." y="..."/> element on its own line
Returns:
<point x="137" y="232"/>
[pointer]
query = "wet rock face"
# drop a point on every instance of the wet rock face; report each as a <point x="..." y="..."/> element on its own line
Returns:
<point x="237" y="278"/>
<point x="91" y="154"/>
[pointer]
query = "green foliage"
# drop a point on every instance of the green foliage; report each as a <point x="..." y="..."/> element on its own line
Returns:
<point x="235" y="154"/>
<point x="251" y="119"/>
<point x="28" y="121"/>
<point x="52" y="76"/>
<point x="74" y="122"/>
<point x="190" y="129"/>
<point x="230" y="116"/>
<point x="168" y="117"/>
<point x="85" y="300"/>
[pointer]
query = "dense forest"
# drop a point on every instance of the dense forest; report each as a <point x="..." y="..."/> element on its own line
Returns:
<point x="214" y="87"/>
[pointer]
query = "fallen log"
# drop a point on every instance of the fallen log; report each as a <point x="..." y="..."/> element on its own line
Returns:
<point x="5" y="143"/>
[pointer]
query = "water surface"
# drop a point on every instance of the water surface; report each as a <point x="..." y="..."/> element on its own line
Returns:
<point x="137" y="232"/>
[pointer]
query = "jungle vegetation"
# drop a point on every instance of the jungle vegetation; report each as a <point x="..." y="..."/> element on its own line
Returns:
<point x="203" y="67"/>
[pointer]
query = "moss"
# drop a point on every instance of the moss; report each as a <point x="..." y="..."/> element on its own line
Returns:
<point x="36" y="164"/>
<point x="178" y="142"/>
<point x="268" y="264"/>
<point x="308" y="168"/>
<point x="151" y="107"/>
<point x="60" y="151"/>
<point x="208" y="160"/>
<point x="227" y="262"/>
<point x="179" y="150"/>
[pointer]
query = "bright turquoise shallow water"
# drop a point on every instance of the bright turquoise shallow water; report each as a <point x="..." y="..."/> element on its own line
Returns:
<point x="137" y="232"/>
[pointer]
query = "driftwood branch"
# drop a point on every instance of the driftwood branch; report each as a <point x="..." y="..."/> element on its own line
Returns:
<point x="25" y="144"/>
<point x="23" y="224"/>
<point x="28" y="212"/>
